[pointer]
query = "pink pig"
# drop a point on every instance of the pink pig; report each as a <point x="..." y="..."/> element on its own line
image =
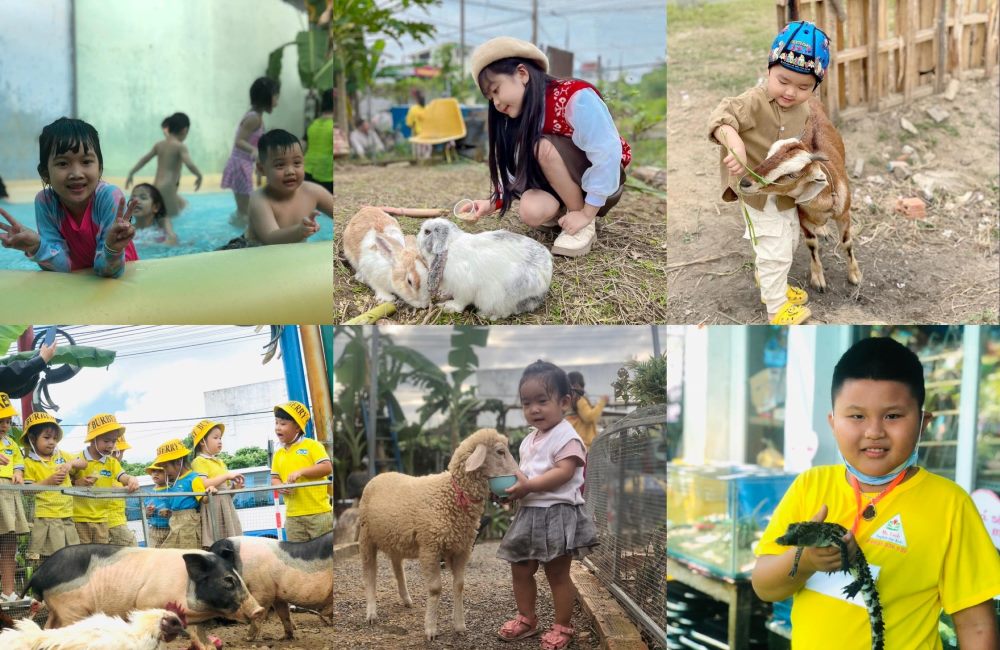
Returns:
<point x="282" y="573"/>
<point x="78" y="581"/>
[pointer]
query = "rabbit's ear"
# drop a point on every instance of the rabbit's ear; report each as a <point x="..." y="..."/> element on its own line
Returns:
<point x="386" y="246"/>
<point x="439" y="240"/>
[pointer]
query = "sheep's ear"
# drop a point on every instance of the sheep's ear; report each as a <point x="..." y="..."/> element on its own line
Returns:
<point x="819" y="156"/>
<point x="476" y="459"/>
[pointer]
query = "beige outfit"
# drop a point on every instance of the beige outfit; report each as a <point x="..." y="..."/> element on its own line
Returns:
<point x="761" y="122"/>
<point x="185" y="530"/>
<point x="306" y="527"/>
<point x="121" y="536"/>
<point x="50" y="535"/>
<point x="12" y="515"/>
<point x="92" y="532"/>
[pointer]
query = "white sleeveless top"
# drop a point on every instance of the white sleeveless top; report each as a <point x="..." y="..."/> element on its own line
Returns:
<point x="537" y="452"/>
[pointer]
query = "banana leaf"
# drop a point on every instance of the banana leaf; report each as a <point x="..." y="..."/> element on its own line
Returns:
<point x="9" y="334"/>
<point x="83" y="356"/>
<point x="315" y="64"/>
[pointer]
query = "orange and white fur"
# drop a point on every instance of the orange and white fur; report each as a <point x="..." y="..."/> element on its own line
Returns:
<point x="811" y="170"/>
<point x="147" y="629"/>
<point x="385" y="260"/>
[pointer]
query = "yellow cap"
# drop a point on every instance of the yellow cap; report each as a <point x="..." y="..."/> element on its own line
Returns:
<point x="120" y="444"/>
<point x="297" y="411"/>
<point x="41" y="417"/>
<point x="102" y="423"/>
<point x="6" y="408"/>
<point x="170" y="450"/>
<point x="154" y="467"/>
<point x="201" y="430"/>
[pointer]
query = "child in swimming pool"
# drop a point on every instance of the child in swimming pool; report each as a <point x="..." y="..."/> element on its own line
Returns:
<point x="553" y="145"/>
<point x="170" y="153"/>
<point x="82" y="221"/>
<point x="150" y="214"/>
<point x="238" y="174"/>
<point x="284" y="211"/>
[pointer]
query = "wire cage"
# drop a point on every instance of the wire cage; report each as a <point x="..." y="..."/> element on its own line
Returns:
<point x="626" y="493"/>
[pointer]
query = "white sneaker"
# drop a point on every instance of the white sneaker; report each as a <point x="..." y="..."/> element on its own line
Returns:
<point x="575" y="245"/>
<point x="9" y="598"/>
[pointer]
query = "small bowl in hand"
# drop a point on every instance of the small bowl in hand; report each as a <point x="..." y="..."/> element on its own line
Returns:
<point x="499" y="484"/>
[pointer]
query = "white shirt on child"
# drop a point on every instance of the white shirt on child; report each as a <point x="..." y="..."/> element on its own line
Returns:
<point x="539" y="453"/>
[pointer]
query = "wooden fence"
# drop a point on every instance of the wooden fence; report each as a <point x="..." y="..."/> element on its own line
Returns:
<point x="886" y="52"/>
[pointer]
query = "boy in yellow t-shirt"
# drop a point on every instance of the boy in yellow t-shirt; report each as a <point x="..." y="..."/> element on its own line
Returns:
<point x="301" y="459"/>
<point x="921" y="533"/>
<point x="102" y="470"/>
<point x="46" y="464"/>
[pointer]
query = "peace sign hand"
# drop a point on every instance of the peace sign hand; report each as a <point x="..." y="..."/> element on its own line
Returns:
<point x="16" y="236"/>
<point x="121" y="231"/>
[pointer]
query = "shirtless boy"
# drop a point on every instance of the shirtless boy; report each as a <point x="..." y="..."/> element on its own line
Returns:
<point x="170" y="153"/>
<point x="284" y="211"/>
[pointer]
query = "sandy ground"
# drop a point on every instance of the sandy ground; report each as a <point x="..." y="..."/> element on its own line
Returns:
<point x="622" y="279"/>
<point x="943" y="268"/>
<point x="488" y="603"/>
<point x="310" y="634"/>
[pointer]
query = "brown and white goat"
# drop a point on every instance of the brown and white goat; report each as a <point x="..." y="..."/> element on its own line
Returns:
<point x="811" y="170"/>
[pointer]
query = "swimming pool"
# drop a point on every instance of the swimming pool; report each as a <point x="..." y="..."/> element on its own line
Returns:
<point x="203" y="226"/>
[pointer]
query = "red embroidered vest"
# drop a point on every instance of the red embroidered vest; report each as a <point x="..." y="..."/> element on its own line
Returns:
<point x="557" y="96"/>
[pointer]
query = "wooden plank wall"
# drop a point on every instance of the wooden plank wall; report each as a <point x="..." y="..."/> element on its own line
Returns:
<point x="887" y="52"/>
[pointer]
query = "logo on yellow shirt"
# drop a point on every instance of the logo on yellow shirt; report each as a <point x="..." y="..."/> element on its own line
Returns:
<point x="105" y="473"/>
<point x="302" y="452"/>
<point x="892" y="532"/>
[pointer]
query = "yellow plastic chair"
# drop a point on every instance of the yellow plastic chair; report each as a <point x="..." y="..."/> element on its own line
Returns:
<point x="442" y="124"/>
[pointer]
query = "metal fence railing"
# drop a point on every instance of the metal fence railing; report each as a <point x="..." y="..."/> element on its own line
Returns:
<point x="626" y="493"/>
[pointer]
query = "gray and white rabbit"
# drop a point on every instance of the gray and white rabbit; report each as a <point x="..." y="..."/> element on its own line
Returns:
<point x="385" y="260"/>
<point x="499" y="272"/>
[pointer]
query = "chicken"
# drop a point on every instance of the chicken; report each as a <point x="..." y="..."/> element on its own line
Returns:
<point x="147" y="629"/>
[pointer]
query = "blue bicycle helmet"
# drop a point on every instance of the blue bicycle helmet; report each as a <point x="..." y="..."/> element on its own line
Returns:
<point x="801" y="47"/>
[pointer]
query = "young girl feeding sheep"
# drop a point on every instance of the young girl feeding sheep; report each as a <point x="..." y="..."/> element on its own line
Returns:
<point x="551" y="527"/>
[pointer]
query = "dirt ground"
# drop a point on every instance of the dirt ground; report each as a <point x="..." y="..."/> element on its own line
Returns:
<point x="943" y="268"/>
<point x="488" y="603"/>
<point x="621" y="280"/>
<point x="310" y="634"/>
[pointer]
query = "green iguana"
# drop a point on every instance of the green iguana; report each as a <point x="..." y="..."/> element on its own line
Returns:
<point x="821" y="534"/>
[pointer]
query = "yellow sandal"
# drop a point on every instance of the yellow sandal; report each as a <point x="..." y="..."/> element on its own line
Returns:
<point x="790" y="314"/>
<point x="793" y="295"/>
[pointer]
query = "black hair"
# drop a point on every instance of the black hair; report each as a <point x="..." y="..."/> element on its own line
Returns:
<point x="177" y="123"/>
<point x="67" y="134"/>
<point x="552" y="377"/>
<point x="36" y="430"/>
<point x="275" y="140"/>
<point x="521" y="133"/>
<point x="157" y="198"/>
<point x="418" y="95"/>
<point x="882" y="359"/>
<point x="282" y="414"/>
<point x="262" y="92"/>
<point x="326" y="101"/>
<point x="576" y="378"/>
<point x="359" y="122"/>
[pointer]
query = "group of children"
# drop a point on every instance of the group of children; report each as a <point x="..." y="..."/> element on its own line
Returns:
<point x="84" y="222"/>
<point x="184" y="521"/>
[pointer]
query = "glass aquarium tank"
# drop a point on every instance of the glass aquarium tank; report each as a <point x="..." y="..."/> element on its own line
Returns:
<point x="716" y="514"/>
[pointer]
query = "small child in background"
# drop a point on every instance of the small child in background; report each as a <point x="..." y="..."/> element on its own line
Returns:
<point x="415" y="117"/>
<point x="170" y="153"/>
<point x="150" y="215"/>
<point x="102" y="469"/>
<point x="119" y="533"/>
<point x="82" y="221"/>
<point x="584" y="416"/>
<point x="46" y="464"/>
<point x="219" y="520"/>
<point x="284" y="211"/>
<point x="319" y="140"/>
<point x="185" y="520"/>
<point x="238" y="173"/>
<point x="551" y="527"/>
<point x="157" y="512"/>
<point x="301" y="459"/>
<point x="13" y="521"/>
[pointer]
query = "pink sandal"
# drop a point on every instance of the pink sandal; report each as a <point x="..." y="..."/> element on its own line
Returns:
<point x="519" y="627"/>
<point x="558" y="637"/>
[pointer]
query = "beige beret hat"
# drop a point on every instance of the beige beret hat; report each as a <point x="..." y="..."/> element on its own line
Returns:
<point x="503" y="47"/>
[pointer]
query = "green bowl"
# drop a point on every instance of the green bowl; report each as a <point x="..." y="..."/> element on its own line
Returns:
<point x="498" y="484"/>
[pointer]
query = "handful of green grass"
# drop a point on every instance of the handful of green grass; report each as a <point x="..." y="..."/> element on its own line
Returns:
<point x="760" y="179"/>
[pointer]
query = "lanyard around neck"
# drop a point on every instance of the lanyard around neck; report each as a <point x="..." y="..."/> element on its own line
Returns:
<point x="868" y="513"/>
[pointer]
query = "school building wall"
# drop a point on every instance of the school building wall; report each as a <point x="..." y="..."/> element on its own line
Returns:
<point x="36" y="79"/>
<point x="137" y="62"/>
<point x="131" y="63"/>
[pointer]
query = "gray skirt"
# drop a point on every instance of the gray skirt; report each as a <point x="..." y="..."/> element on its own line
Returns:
<point x="545" y="533"/>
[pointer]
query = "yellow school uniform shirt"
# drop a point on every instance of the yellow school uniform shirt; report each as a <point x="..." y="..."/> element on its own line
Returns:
<point x="89" y="510"/>
<point x="116" y="510"/>
<point x="49" y="504"/>
<point x="303" y="453"/>
<point x="927" y="542"/>
<point x="14" y="455"/>
<point x="210" y="467"/>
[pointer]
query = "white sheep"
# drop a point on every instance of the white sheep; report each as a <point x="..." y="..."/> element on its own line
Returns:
<point x="429" y="518"/>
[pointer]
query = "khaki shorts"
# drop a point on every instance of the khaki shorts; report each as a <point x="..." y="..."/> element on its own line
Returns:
<point x="121" y="536"/>
<point x="156" y="536"/>
<point x="306" y="527"/>
<point x="92" y="532"/>
<point x="576" y="162"/>
<point x="185" y="530"/>
<point x="50" y="535"/>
